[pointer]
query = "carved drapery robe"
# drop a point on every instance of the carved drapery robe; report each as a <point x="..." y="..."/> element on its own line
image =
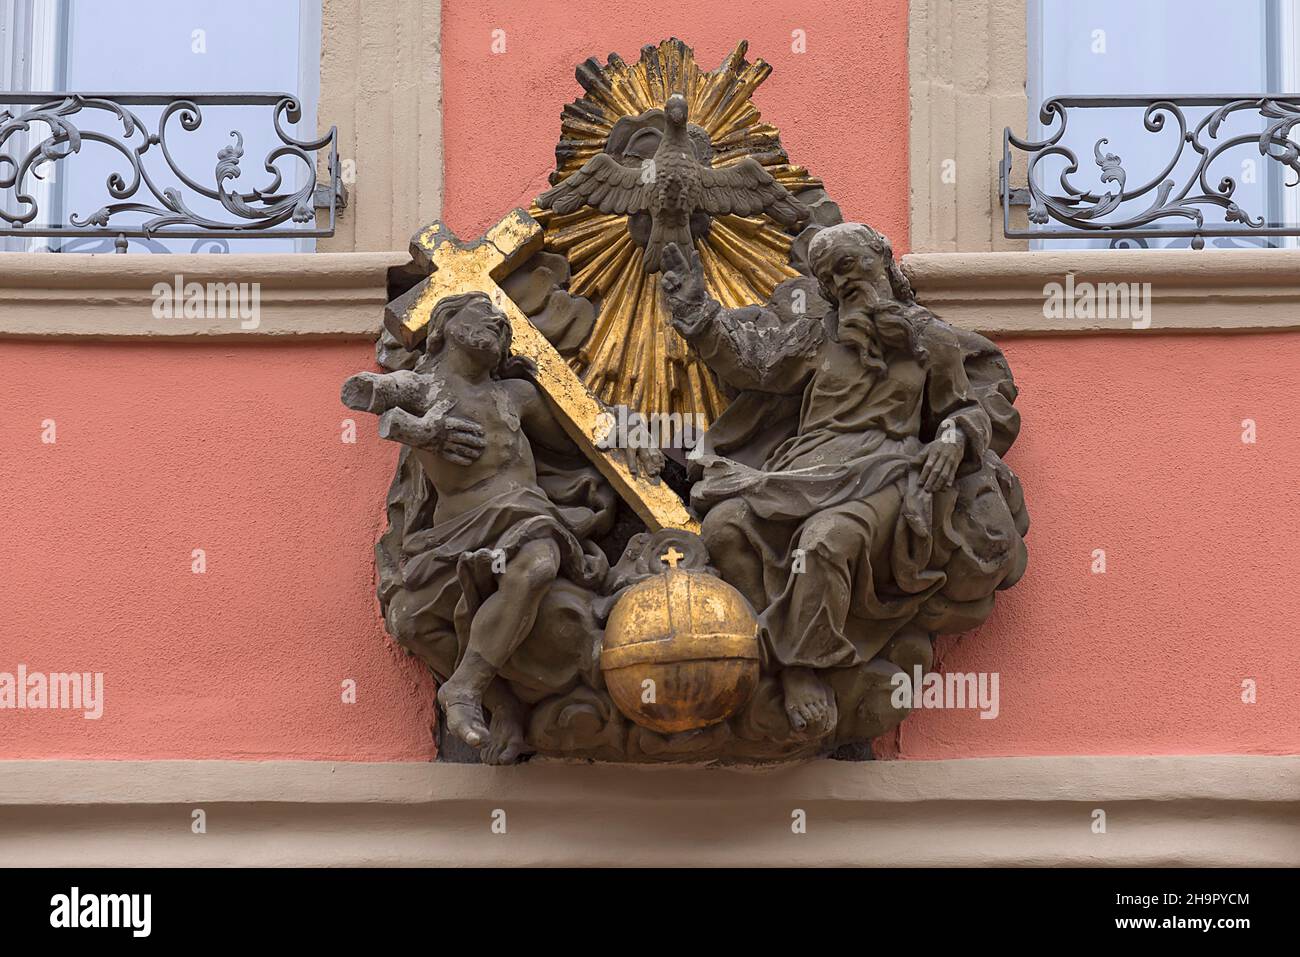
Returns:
<point x="433" y="577"/>
<point x="821" y="519"/>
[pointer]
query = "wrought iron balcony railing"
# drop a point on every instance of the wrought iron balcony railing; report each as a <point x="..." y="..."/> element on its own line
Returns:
<point x="1221" y="137"/>
<point x="147" y="193"/>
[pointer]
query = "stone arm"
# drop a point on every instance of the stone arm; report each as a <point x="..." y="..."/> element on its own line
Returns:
<point x="378" y="392"/>
<point x="543" y="429"/>
<point x="748" y="348"/>
<point x="411" y="412"/>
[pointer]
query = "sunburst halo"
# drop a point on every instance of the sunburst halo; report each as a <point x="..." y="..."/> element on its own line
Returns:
<point x="633" y="355"/>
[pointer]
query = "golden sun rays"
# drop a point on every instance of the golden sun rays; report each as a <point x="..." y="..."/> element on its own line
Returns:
<point x="633" y="355"/>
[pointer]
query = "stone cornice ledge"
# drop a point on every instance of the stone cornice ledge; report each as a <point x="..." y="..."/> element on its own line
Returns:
<point x="1205" y="291"/>
<point x="1194" y="810"/>
<point x="341" y="295"/>
<point x="313" y="295"/>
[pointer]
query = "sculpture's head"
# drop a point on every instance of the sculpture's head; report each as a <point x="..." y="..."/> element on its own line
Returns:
<point x="473" y="326"/>
<point x="846" y="255"/>
<point x="854" y="266"/>
<point x="676" y="109"/>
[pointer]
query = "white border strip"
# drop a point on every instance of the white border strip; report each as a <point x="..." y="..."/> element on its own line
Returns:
<point x="1194" y="810"/>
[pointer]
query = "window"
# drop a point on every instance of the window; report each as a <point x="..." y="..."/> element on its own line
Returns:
<point x="1156" y="48"/>
<point x="160" y="46"/>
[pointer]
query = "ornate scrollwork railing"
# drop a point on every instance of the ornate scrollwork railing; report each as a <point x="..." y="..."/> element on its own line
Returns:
<point x="1180" y="199"/>
<point x="40" y="132"/>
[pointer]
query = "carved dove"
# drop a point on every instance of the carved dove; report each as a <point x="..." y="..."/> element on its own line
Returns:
<point x="672" y="187"/>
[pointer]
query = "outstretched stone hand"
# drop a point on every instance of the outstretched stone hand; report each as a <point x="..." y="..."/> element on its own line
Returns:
<point x="459" y="441"/>
<point x="400" y="399"/>
<point x="683" y="284"/>
<point x="641" y="461"/>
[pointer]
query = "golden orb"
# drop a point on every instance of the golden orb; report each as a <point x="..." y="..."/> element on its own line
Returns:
<point x="680" y="650"/>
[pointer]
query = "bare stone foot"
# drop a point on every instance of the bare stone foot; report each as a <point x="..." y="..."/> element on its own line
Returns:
<point x="505" y="738"/>
<point x="808" y="701"/>
<point x="464" y="711"/>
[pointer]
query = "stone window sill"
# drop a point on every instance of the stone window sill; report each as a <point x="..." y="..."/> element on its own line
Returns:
<point x="342" y="295"/>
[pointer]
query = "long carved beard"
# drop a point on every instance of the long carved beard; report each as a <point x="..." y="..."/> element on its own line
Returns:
<point x="872" y="325"/>
<point x="858" y="329"/>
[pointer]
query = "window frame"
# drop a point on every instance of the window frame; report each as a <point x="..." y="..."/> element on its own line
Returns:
<point x="1280" y="52"/>
<point x="35" y="36"/>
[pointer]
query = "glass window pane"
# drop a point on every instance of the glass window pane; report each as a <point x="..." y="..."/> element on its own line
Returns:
<point x="181" y="47"/>
<point x="1154" y="48"/>
<point x="1151" y="46"/>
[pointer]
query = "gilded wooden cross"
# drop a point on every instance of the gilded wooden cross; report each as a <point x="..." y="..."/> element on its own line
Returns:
<point x="456" y="267"/>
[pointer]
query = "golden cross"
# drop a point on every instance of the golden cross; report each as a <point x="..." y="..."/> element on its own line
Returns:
<point x="456" y="267"/>
<point x="672" y="556"/>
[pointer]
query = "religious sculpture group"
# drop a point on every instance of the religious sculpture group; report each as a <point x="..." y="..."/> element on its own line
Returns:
<point x="753" y="596"/>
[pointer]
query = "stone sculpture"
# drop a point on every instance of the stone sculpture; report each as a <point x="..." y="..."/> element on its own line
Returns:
<point x="849" y="502"/>
<point x="854" y="492"/>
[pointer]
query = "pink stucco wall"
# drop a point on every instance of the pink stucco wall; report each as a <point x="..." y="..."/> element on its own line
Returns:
<point x="1130" y="444"/>
<point x="1134" y="445"/>
<point x="234" y="449"/>
<point x="841" y="106"/>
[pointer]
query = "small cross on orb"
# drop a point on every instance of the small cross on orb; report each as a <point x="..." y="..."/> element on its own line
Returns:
<point x="672" y="556"/>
